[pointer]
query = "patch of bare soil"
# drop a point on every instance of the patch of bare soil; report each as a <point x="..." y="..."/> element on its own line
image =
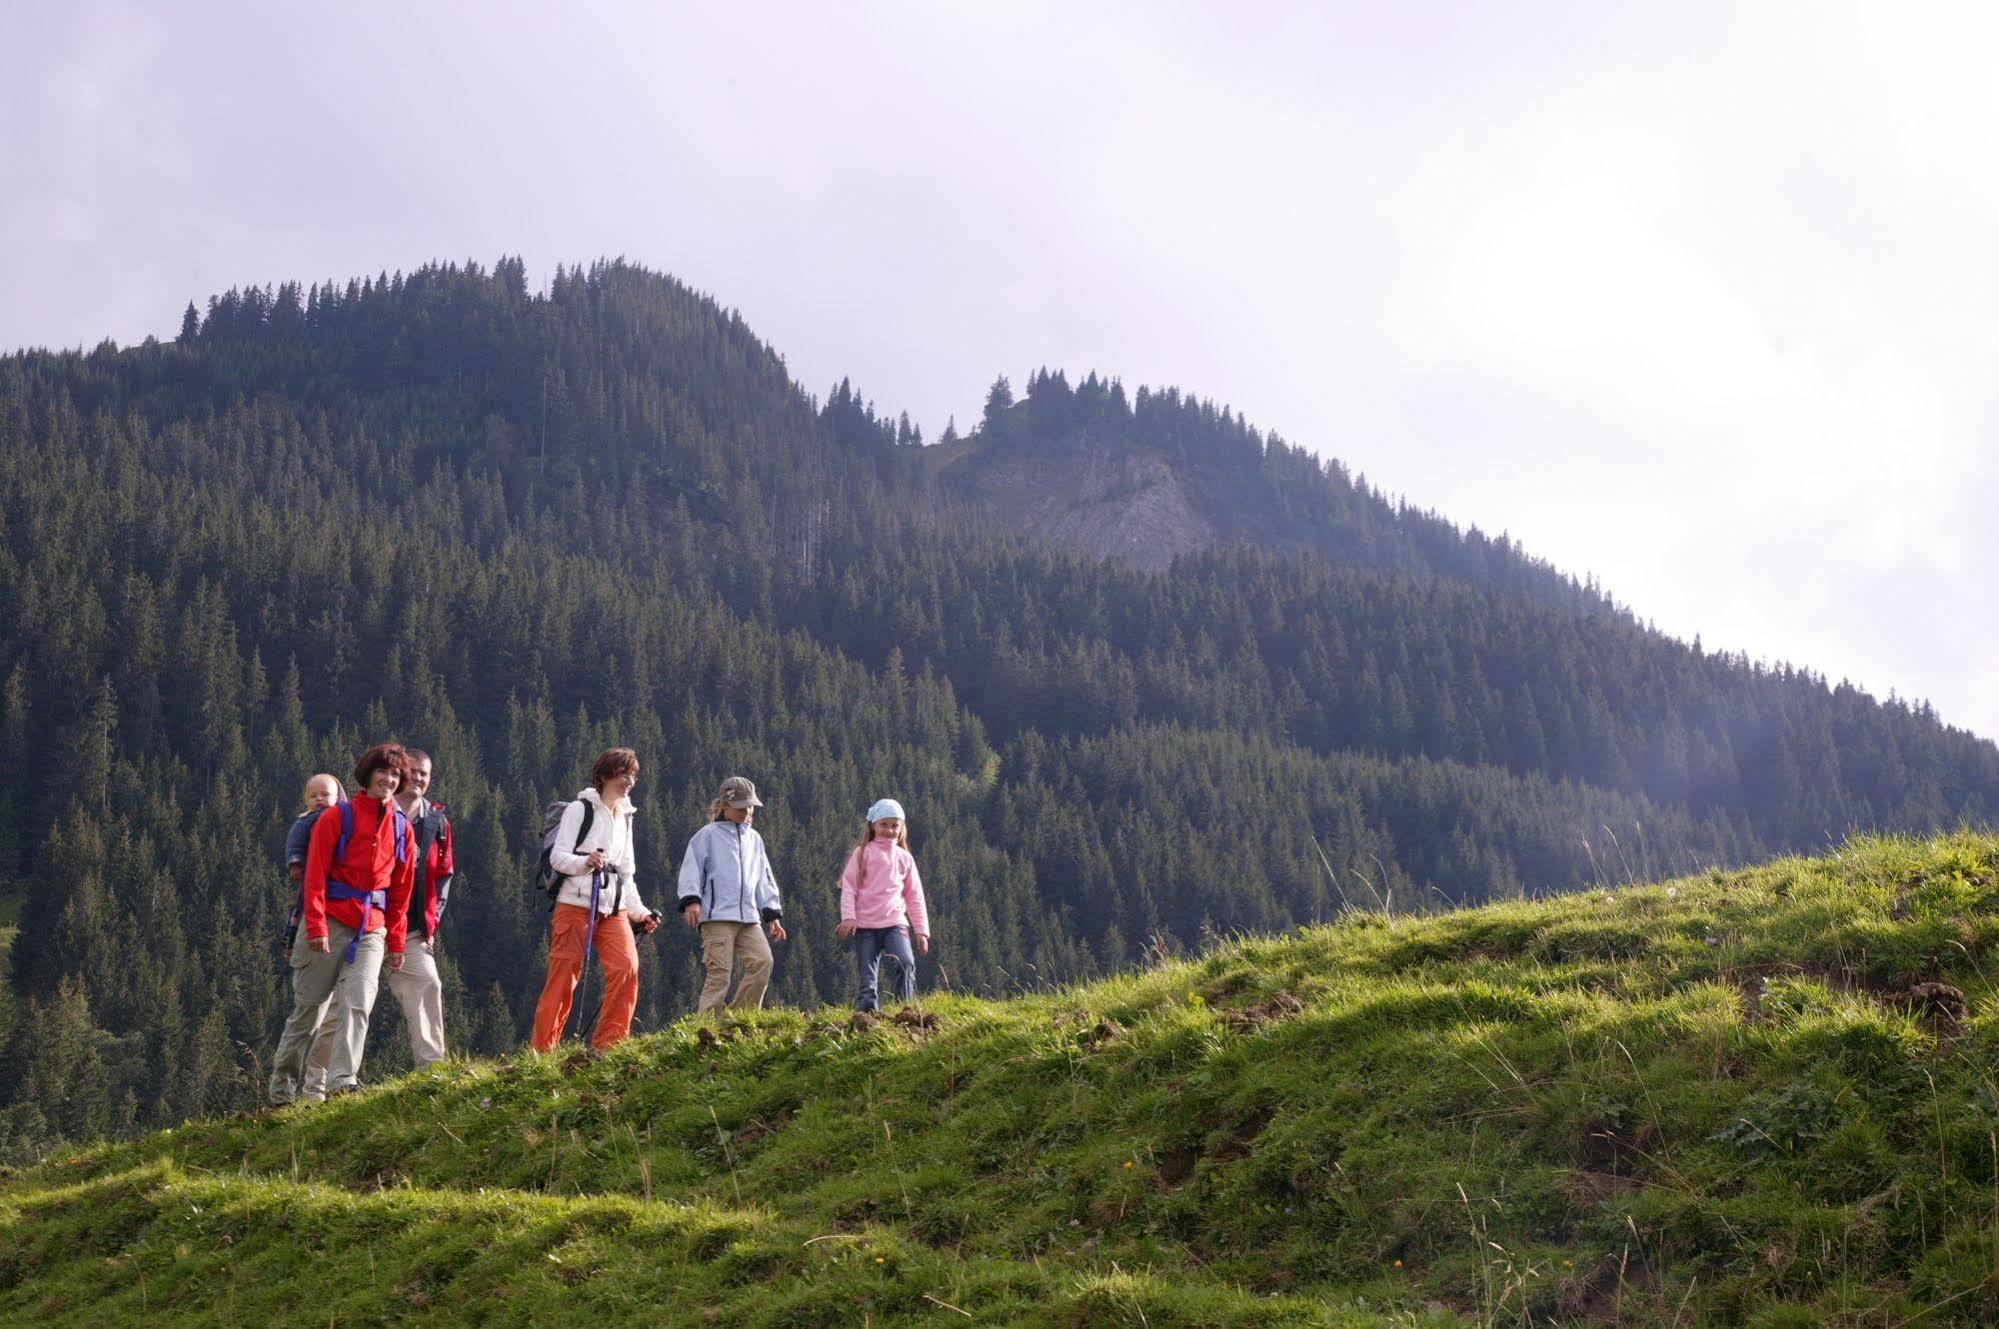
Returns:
<point x="1939" y="1006"/>
<point x="756" y="1128"/>
<point x="1612" y="1149"/>
<point x="1176" y="1165"/>
<point x="1606" y="1292"/>
<point x="1235" y="1142"/>
<point x="1586" y="1189"/>
<point x="1280" y="1006"/>
<point x="1903" y="890"/>
<point x="1750" y="980"/>
<point x="1102" y="1032"/>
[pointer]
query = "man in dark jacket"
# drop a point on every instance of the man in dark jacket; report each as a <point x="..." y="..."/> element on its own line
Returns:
<point x="416" y="985"/>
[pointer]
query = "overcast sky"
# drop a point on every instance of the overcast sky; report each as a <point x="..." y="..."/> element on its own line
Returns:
<point x="1697" y="299"/>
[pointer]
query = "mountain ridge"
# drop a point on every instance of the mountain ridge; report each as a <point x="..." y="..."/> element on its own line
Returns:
<point x="1147" y="478"/>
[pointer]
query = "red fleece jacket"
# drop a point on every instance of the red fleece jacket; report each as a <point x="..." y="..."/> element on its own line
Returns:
<point x="368" y="865"/>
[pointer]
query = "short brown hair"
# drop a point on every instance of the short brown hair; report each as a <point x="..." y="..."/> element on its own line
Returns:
<point x="383" y="755"/>
<point x="611" y="763"/>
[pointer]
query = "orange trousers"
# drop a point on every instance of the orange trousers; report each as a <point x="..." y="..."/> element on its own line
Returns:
<point x="617" y="955"/>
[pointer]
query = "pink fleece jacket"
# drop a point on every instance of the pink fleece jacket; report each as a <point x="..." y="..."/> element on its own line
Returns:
<point x="881" y="889"/>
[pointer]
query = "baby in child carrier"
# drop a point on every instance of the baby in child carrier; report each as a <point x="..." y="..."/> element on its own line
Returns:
<point x="322" y="791"/>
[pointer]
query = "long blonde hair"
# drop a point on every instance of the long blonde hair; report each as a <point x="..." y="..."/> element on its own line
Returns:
<point x="868" y="833"/>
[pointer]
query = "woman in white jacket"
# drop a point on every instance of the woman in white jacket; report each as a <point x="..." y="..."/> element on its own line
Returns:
<point x="599" y="899"/>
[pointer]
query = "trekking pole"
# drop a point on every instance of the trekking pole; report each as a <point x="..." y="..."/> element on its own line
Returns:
<point x="589" y="943"/>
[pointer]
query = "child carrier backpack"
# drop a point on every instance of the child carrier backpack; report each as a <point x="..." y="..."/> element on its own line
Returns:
<point x="546" y="876"/>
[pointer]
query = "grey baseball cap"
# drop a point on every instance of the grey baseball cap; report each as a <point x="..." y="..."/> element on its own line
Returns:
<point x="738" y="792"/>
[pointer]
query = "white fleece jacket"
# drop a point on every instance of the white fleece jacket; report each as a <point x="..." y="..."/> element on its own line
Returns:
<point x="610" y="831"/>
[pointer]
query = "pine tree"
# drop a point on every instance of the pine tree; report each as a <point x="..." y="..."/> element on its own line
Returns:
<point x="999" y="400"/>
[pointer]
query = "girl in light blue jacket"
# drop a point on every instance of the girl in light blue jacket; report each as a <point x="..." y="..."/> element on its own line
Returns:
<point x="729" y="893"/>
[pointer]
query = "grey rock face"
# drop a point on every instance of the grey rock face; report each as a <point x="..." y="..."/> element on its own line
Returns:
<point x="1128" y="506"/>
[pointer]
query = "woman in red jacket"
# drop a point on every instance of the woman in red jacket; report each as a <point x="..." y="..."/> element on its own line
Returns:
<point x="360" y="864"/>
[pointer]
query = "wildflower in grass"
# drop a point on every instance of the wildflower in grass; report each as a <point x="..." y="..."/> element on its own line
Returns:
<point x="1398" y="1264"/>
<point x="1127" y="1162"/>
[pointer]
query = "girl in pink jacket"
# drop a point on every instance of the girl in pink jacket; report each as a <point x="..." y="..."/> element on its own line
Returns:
<point x="881" y="902"/>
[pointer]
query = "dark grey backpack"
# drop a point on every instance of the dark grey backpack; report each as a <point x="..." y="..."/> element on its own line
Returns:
<point x="546" y="876"/>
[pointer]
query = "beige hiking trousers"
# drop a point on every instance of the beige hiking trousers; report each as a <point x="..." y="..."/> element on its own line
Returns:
<point x="722" y="945"/>
<point x="418" y="990"/>
<point x="324" y="984"/>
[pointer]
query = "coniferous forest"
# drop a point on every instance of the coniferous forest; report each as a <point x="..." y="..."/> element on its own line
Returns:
<point x="515" y="528"/>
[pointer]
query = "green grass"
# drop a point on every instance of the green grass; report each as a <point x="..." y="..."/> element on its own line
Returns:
<point x="1701" y="1102"/>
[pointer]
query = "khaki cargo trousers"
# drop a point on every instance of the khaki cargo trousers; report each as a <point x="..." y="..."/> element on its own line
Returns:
<point x="418" y="990"/>
<point x="324" y="984"/>
<point x="722" y="946"/>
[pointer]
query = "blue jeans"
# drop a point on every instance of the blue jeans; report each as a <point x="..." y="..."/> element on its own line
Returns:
<point x="869" y="946"/>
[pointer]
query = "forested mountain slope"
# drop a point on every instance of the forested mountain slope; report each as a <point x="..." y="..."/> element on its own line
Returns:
<point x="516" y="527"/>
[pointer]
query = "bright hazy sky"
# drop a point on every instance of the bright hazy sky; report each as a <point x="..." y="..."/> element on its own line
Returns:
<point x="1699" y="299"/>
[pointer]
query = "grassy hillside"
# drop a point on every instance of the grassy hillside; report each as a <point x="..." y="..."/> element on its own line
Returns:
<point x="1729" y="1099"/>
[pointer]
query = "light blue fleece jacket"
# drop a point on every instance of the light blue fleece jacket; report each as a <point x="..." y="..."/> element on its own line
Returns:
<point x="726" y="870"/>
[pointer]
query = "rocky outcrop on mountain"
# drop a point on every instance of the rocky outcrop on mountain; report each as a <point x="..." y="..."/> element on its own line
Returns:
<point x="1128" y="506"/>
<point x="1147" y="478"/>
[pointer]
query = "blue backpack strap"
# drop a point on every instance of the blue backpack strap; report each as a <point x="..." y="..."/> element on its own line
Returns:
<point x="298" y="899"/>
<point x="346" y="830"/>
<point x="340" y="890"/>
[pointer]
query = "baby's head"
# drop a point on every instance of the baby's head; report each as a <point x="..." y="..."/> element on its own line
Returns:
<point x="321" y="791"/>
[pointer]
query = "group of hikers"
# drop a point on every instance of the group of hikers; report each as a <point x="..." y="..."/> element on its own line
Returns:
<point x="373" y="868"/>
